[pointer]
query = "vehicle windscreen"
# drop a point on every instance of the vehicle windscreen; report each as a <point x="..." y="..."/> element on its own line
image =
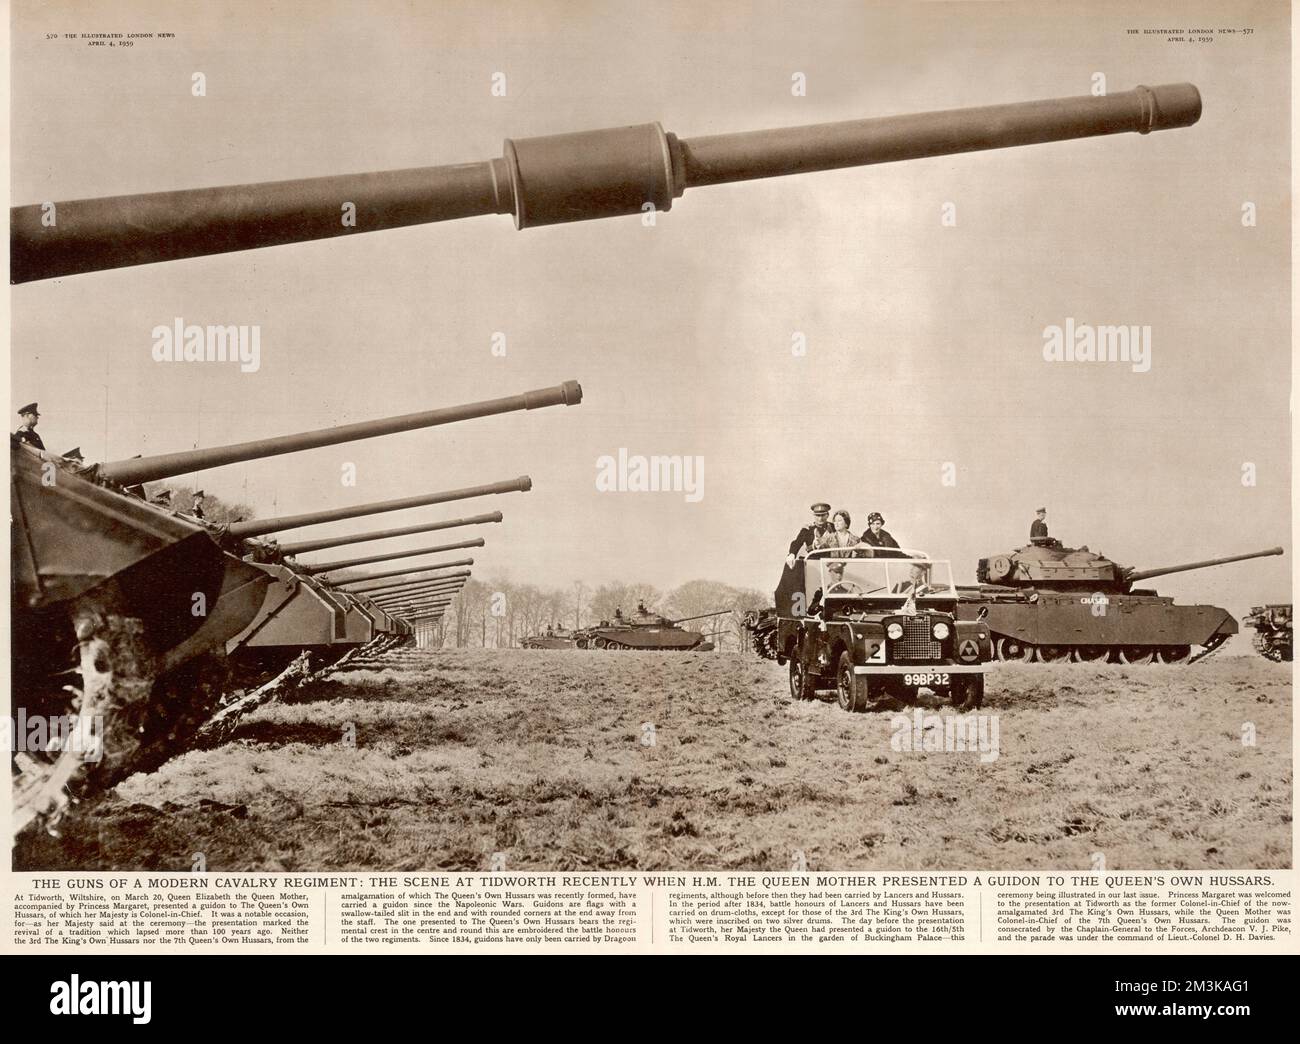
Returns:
<point x="878" y="578"/>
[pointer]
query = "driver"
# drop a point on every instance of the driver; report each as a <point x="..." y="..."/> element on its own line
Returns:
<point x="917" y="583"/>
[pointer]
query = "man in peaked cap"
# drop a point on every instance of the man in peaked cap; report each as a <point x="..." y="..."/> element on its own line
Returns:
<point x="163" y="499"/>
<point x="788" y="586"/>
<point x="1038" y="528"/>
<point x="196" y="507"/>
<point x="75" y="455"/>
<point x="27" y="432"/>
<point x="807" y="536"/>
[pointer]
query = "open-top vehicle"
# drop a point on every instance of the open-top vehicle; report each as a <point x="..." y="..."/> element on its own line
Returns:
<point x="879" y="625"/>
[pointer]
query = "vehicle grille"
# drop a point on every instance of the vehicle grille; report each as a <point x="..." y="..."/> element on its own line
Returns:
<point x="917" y="643"/>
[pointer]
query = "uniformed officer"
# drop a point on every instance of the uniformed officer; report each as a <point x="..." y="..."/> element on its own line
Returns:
<point x="27" y="432"/>
<point x="807" y="537"/>
<point x="1038" y="528"/>
<point x="196" y="507"/>
<point x="877" y="535"/>
<point x="163" y="499"/>
<point x="75" y="455"/>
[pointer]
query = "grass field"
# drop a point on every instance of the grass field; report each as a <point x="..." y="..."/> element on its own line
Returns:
<point x="545" y="758"/>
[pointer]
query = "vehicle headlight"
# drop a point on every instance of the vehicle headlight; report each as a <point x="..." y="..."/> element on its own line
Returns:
<point x="895" y="631"/>
<point x="941" y="630"/>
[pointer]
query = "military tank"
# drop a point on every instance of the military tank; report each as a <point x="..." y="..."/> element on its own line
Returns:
<point x="646" y="631"/>
<point x="147" y="598"/>
<point x="1050" y="603"/>
<point x="552" y="638"/>
<point x="546" y="181"/>
<point x="1272" y="627"/>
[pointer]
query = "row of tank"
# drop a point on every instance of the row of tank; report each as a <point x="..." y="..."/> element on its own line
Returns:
<point x="138" y="618"/>
<point x="1048" y="603"/>
<point x="643" y="631"/>
<point x="156" y="607"/>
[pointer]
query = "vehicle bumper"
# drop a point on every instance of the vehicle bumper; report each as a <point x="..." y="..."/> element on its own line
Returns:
<point x="921" y="668"/>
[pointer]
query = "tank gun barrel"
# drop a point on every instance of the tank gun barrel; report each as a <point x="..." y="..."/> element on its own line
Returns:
<point x="347" y="563"/>
<point x="546" y="181"/>
<point x="351" y="585"/>
<point x="701" y="616"/>
<point x="262" y="526"/>
<point x="402" y="587"/>
<point x="168" y="465"/>
<point x="409" y="569"/>
<point x="1147" y="574"/>
<point x="301" y="547"/>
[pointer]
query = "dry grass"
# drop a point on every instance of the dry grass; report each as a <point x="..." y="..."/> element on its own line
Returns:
<point x="538" y="756"/>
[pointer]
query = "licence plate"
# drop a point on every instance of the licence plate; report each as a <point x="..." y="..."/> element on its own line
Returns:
<point x="926" y="678"/>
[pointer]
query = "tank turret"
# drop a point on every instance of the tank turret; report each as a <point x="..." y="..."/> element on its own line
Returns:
<point x="546" y="181"/>
<point x="1050" y="564"/>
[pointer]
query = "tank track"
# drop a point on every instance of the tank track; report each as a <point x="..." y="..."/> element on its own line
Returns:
<point x="1267" y="645"/>
<point x="762" y="629"/>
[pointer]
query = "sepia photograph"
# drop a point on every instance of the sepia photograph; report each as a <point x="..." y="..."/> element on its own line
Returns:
<point x="600" y="437"/>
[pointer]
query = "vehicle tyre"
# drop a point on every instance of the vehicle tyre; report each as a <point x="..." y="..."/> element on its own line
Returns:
<point x="1090" y="653"/>
<point x="1053" y="653"/>
<point x="1173" y="653"/>
<point x="801" y="684"/>
<point x="851" y="690"/>
<point x="1136" y="654"/>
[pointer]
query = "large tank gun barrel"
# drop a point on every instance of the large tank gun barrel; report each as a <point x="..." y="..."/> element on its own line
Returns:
<point x="168" y="465"/>
<point x="347" y="563"/>
<point x="1147" y="574"/>
<point x="546" y="181"/>
<point x="301" y="547"/>
<point x="262" y="526"/>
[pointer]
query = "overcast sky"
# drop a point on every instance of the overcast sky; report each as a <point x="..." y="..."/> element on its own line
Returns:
<point x="924" y="342"/>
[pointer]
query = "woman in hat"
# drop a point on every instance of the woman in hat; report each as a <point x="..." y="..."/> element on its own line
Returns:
<point x="877" y="535"/>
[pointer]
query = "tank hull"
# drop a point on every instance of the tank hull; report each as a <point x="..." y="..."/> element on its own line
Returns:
<point x="1039" y="625"/>
<point x="649" y="639"/>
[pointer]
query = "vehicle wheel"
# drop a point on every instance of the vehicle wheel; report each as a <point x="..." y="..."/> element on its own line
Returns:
<point x="1173" y="653"/>
<point x="1053" y="653"/>
<point x="800" y="683"/>
<point x="1015" y="649"/>
<point x="1136" y="654"/>
<point x="852" y="691"/>
<point x="967" y="692"/>
<point x="1090" y="653"/>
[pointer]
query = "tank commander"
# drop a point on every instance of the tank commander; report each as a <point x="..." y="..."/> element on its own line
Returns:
<point x="75" y="455"/>
<point x="163" y="499"/>
<point x="26" y="432"/>
<point x="876" y="534"/>
<point x="1038" y="528"/>
<point x="196" y="505"/>
<point x="840" y="535"/>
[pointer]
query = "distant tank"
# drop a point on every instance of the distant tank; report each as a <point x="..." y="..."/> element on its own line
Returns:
<point x="1272" y="626"/>
<point x="551" y="638"/>
<point x="645" y="630"/>
<point x="1049" y="603"/>
<point x="140" y="601"/>
<point x="546" y="181"/>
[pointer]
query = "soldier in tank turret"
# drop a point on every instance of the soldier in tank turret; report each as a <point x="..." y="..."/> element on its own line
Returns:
<point x="1038" y="528"/>
<point x="876" y="534"/>
<point x="196" y="504"/>
<point x="26" y="432"/>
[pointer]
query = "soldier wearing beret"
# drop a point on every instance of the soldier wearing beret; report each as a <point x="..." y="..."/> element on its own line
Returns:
<point x="876" y="534"/>
<point x="1038" y="528"/>
<point x="27" y="432"/>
